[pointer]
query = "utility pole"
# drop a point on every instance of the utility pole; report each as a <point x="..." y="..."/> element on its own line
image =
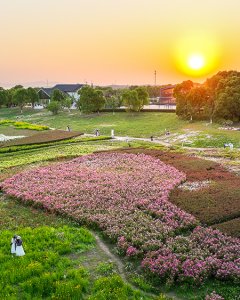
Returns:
<point x="155" y="77"/>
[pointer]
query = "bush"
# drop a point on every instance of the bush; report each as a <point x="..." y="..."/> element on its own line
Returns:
<point x="54" y="107"/>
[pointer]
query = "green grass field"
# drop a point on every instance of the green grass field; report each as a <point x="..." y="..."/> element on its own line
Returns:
<point x="144" y="124"/>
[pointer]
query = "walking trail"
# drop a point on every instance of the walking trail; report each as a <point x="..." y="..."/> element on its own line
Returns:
<point x="121" y="269"/>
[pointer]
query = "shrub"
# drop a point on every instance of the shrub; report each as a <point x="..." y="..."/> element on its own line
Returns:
<point x="54" y="107"/>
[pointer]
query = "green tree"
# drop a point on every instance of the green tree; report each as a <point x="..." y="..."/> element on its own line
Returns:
<point x="3" y="97"/>
<point x="181" y="92"/>
<point x="91" y="100"/>
<point x="67" y="103"/>
<point x="54" y="107"/>
<point x="143" y="97"/>
<point x="58" y="96"/>
<point x="33" y="96"/>
<point x="213" y="86"/>
<point x="20" y="97"/>
<point x="228" y="99"/>
<point x="196" y="100"/>
<point x="130" y="100"/>
<point x="99" y="100"/>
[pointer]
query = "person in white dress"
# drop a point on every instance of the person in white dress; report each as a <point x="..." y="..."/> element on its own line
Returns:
<point x="13" y="244"/>
<point x="19" y="247"/>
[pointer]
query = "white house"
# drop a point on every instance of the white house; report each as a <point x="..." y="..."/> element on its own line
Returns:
<point x="70" y="90"/>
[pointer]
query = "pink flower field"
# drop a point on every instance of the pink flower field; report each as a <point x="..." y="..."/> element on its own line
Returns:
<point x="126" y="196"/>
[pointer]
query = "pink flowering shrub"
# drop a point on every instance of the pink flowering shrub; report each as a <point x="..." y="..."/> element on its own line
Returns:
<point x="214" y="296"/>
<point x="126" y="196"/>
<point x="202" y="254"/>
<point x="131" y="251"/>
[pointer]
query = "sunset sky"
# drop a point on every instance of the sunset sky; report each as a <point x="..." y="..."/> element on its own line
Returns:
<point x="117" y="42"/>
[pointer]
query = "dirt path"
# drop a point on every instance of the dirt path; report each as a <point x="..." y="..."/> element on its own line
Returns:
<point x="113" y="257"/>
<point x="121" y="270"/>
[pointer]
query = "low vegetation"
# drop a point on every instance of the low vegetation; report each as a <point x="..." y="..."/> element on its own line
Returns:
<point x="56" y="250"/>
<point x="215" y="203"/>
<point x="23" y="125"/>
<point x="43" y="137"/>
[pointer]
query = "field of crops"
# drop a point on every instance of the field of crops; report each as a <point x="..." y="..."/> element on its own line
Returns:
<point x="126" y="196"/>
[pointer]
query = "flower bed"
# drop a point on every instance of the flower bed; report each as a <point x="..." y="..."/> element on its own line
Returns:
<point x="126" y="196"/>
<point x="24" y="125"/>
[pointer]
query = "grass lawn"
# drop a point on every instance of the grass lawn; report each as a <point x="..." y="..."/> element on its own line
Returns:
<point x="144" y="124"/>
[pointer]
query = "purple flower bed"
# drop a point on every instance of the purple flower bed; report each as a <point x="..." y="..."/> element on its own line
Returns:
<point x="203" y="254"/>
<point x="126" y="196"/>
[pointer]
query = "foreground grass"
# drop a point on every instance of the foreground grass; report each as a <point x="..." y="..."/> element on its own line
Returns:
<point x="57" y="264"/>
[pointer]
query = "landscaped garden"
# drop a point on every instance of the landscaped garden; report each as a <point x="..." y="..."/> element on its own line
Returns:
<point x="163" y="213"/>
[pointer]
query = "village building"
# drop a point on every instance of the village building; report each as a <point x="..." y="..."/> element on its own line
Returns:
<point x="71" y="90"/>
<point x="165" y="96"/>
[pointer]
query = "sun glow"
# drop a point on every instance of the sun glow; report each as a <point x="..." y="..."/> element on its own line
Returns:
<point x="196" y="61"/>
<point x="196" y="54"/>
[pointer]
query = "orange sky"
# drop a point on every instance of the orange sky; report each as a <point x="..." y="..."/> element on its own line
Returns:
<point x="114" y="42"/>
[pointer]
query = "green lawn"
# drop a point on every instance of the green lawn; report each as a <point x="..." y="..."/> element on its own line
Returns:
<point x="144" y="124"/>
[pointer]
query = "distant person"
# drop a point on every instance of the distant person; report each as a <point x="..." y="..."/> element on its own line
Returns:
<point x="151" y="138"/>
<point x="13" y="244"/>
<point x="19" y="247"/>
<point x="97" y="133"/>
<point x="112" y="133"/>
<point x="68" y="128"/>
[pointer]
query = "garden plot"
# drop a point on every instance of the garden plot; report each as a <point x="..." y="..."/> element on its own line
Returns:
<point x="127" y="197"/>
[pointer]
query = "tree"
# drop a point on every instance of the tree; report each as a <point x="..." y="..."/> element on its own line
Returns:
<point x="180" y="92"/>
<point x="20" y="97"/>
<point x="67" y="103"/>
<point x="143" y="97"/>
<point x="3" y="97"/>
<point x="228" y="99"/>
<point x="196" y="101"/>
<point x="135" y="98"/>
<point x="91" y="100"/>
<point x="54" y="107"/>
<point x="98" y="100"/>
<point x="213" y="85"/>
<point x="33" y="96"/>
<point x="130" y="100"/>
<point x="58" y="96"/>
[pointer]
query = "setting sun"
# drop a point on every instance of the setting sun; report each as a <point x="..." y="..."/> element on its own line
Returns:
<point x="196" y="54"/>
<point x="196" y="62"/>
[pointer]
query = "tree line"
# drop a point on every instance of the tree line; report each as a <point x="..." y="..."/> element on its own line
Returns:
<point x="91" y="99"/>
<point x="217" y="98"/>
<point x="18" y="96"/>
